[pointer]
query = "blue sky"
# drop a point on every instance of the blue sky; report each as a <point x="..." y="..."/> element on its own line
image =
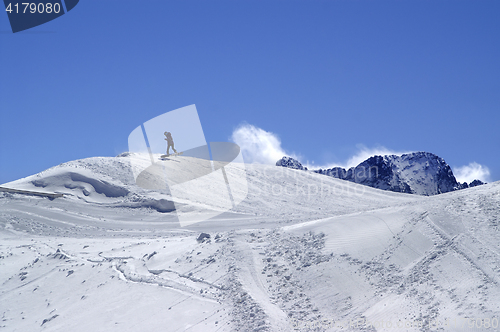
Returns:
<point x="323" y="80"/>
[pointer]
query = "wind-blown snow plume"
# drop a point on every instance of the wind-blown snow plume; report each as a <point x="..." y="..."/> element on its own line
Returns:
<point x="471" y="172"/>
<point x="365" y="153"/>
<point x="257" y="145"/>
<point x="361" y="155"/>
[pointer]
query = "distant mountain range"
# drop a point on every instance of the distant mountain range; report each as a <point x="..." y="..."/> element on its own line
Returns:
<point x="420" y="173"/>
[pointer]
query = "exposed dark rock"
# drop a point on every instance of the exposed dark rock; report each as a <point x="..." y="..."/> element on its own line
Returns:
<point x="203" y="237"/>
<point x="476" y="183"/>
<point x="290" y="163"/>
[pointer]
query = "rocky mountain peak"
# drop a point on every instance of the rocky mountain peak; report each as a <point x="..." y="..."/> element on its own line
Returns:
<point x="290" y="163"/>
<point x="421" y="173"/>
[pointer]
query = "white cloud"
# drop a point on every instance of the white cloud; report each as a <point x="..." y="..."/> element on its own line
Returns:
<point x="259" y="146"/>
<point x="471" y="172"/>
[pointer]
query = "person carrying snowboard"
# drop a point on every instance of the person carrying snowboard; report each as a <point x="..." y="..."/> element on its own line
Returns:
<point x="170" y="142"/>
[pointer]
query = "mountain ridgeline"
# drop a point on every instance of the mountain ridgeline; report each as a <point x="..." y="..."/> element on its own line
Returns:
<point x="420" y="173"/>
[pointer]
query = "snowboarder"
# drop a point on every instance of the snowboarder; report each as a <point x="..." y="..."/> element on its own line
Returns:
<point x="170" y="142"/>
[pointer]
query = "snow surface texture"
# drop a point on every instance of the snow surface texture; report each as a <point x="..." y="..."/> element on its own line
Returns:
<point x="303" y="252"/>
<point x="421" y="173"/>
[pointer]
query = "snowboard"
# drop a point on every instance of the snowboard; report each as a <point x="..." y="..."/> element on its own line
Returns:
<point x="163" y="156"/>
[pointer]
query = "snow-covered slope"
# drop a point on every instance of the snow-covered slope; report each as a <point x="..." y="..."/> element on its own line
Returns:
<point x="303" y="252"/>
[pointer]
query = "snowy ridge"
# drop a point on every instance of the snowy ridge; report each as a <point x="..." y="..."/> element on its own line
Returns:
<point x="98" y="180"/>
